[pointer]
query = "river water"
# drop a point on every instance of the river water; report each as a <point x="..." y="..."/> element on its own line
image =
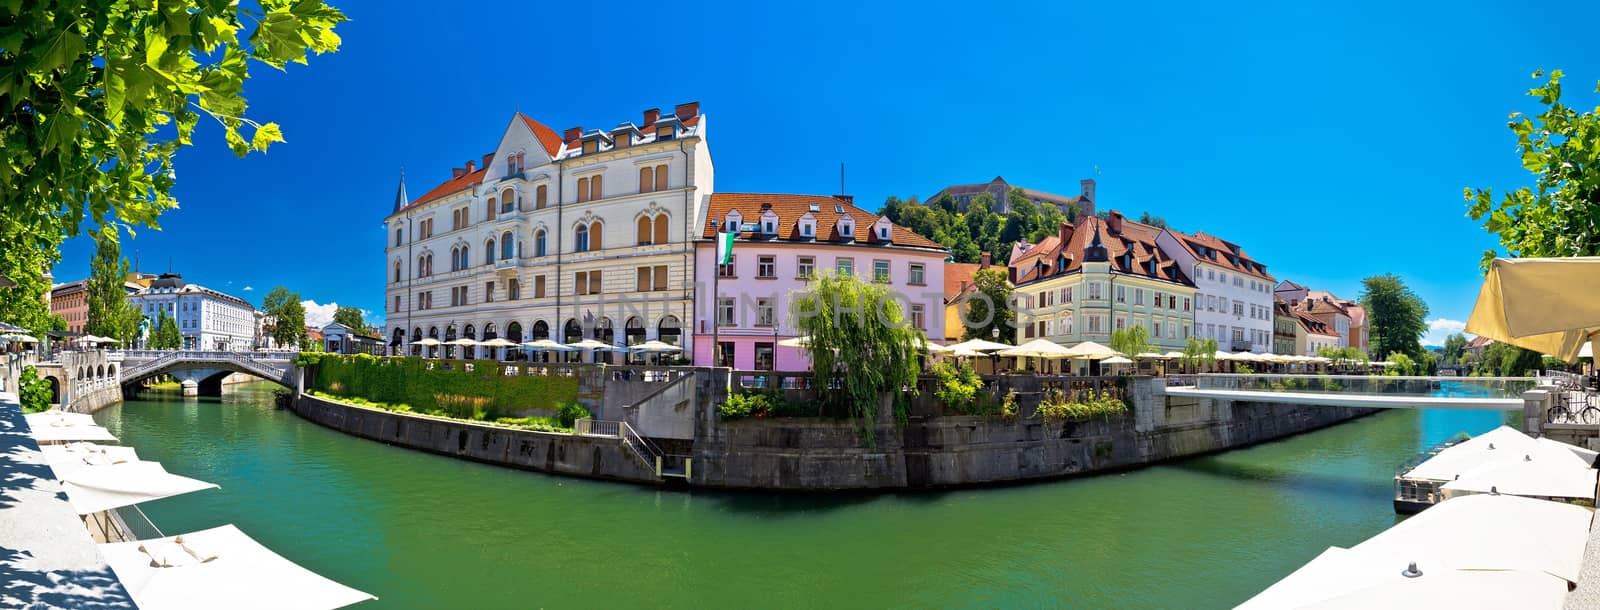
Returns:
<point x="424" y="531"/>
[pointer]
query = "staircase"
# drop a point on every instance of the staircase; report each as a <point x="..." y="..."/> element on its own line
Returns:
<point x="646" y="452"/>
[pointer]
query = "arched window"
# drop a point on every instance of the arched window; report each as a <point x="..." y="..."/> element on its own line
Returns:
<point x="422" y="265"/>
<point x="572" y="332"/>
<point x="583" y="190"/>
<point x="539" y="197"/>
<point x="580" y="240"/>
<point x="455" y="259"/>
<point x="633" y="331"/>
<point x="595" y="190"/>
<point x="397" y="271"/>
<point x="661" y="177"/>
<point x="466" y="256"/>
<point x="416" y="335"/>
<point x="469" y="332"/>
<point x="661" y="229"/>
<point x="541" y="330"/>
<point x="595" y="243"/>
<point x="647" y="180"/>
<point x="513" y="289"/>
<point x="668" y="330"/>
<point x="538" y="242"/>
<point x="488" y="252"/>
<point x="514" y="332"/>
<point x="489" y="209"/>
<point x="507" y="246"/>
<point x="642" y="231"/>
<point x="397" y="235"/>
<point x="508" y="201"/>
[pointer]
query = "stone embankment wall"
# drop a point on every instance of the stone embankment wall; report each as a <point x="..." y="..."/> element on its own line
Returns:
<point x="558" y="453"/>
<point x="820" y="454"/>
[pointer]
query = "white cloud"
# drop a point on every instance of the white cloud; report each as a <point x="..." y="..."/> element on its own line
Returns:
<point x="1441" y="328"/>
<point x="249" y="288"/>
<point x="318" y="315"/>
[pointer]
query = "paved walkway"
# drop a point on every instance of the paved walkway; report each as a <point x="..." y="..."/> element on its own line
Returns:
<point x="47" y="559"/>
<point x="1587" y="595"/>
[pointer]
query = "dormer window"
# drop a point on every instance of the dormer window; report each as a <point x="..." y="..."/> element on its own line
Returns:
<point x="732" y="222"/>
<point x="883" y="233"/>
<point x="808" y="225"/>
<point x="769" y="223"/>
<point x="664" y="132"/>
<point x="847" y="228"/>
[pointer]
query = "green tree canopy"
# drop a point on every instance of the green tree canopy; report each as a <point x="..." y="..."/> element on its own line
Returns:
<point x="861" y="338"/>
<point x="969" y="234"/>
<point x="989" y="309"/>
<point x="98" y="97"/>
<point x="350" y="316"/>
<point x="1455" y="346"/>
<point x="1398" y="316"/>
<point x="166" y="335"/>
<point x="1133" y="340"/>
<point x="1153" y="220"/>
<point x="1560" y="214"/>
<point x="110" y="313"/>
<point x="289" y="325"/>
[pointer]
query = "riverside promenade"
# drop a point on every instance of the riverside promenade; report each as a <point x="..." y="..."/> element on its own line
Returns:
<point x="47" y="559"/>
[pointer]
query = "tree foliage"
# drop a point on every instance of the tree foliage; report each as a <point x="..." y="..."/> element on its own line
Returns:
<point x="1455" y="346"/>
<point x="1153" y="220"/>
<point x="97" y="98"/>
<point x="860" y="343"/>
<point x="1133" y="340"/>
<point x="289" y="316"/>
<point x="33" y="391"/>
<point x="350" y="316"/>
<point x="1560" y="214"/>
<point x="980" y="229"/>
<point x="1398" y="316"/>
<point x="110" y="313"/>
<point x="166" y="335"/>
<point x="1197" y="352"/>
<point x="1506" y="360"/>
<point x="989" y="309"/>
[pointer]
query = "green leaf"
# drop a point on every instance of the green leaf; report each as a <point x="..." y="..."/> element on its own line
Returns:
<point x="265" y="135"/>
<point x="63" y="49"/>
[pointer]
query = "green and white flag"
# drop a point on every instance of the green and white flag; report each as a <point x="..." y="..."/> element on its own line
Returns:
<point x="725" y="247"/>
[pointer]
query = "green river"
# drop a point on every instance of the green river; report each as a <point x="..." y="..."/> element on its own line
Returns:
<point x="424" y="531"/>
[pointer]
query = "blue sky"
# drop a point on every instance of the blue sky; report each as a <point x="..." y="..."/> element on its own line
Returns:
<point x="1332" y="143"/>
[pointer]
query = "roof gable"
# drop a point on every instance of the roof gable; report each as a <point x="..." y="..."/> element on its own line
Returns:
<point x="827" y="211"/>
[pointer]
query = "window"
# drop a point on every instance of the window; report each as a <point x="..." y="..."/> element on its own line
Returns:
<point x="541" y="196"/>
<point x="647" y="179"/>
<point x="914" y="275"/>
<point x="880" y="271"/>
<point x="455" y="219"/>
<point x="661" y="177"/>
<point x="397" y="271"/>
<point x="508" y="246"/>
<point x="767" y="266"/>
<point x="730" y="269"/>
<point x="583" y="186"/>
<point x="1156" y="332"/>
<point x="1121" y="322"/>
<point x="660" y="277"/>
<point x="641" y="231"/>
<point x="488" y="292"/>
<point x="725" y="349"/>
<point x="642" y="282"/>
<point x="1186" y="303"/>
<point x="511" y="165"/>
<point x="538" y="243"/>
<point x="1138" y="296"/>
<point x="397" y="302"/>
<point x="808" y="229"/>
<point x="508" y="201"/>
<point x="595" y="190"/>
<point x="845" y="266"/>
<point x="538" y="286"/>
<point x="1122" y="294"/>
<point x="488" y="252"/>
<point x="489" y="209"/>
<point x="513" y="289"/>
<point x="1094" y="324"/>
<point x="806" y="267"/>
<point x="399" y="236"/>
<point x="919" y="316"/>
<point x="580" y="240"/>
<point x="586" y="282"/>
<point x="595" y="242"/>
<point x="764" y="312"/>
<point x="1067" y="325"/>
<point x="1094" y="291"/>
<point x="1238" y="309"/>
<point x="725" y="311"/>
<point x="660" y="236"/>
<point x="764" y="357"/>
<point x="1066" y="295"/>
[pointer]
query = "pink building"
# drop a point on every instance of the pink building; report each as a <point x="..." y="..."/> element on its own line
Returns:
<point x="784" y="239"/>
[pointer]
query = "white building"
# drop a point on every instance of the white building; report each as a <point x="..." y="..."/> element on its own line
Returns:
<point x="1233" y="292"/>
<point x="207" y="319"/>
<point x="585" y="234"/>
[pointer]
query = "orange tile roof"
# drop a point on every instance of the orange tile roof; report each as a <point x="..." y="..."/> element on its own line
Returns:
<point x="790" y="208"/>
<point x="1313" y="325"/>
<point x="1136" y="240"/>
<point x="955" y="276"/>
<point x="547" y="136"/>
<point x="1224" y="249"/>
<point x="453" y="185"/>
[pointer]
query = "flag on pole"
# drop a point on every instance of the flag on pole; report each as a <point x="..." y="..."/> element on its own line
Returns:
<point x="725" y="247"/>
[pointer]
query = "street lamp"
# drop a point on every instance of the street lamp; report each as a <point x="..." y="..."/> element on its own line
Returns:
<point x="994" y="358"/>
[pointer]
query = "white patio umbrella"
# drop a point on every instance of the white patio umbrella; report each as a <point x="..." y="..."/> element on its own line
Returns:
<point x="68" y="458"/>
<point x="592" y="345"/>
<point x="962" y="352"/>
<point x="426" y="342"/>
<point x="93" y="489"/>
<point x="1492" y="532"/>
<point x="1542" y="470"/>
<point x="546" y="345"/>
<point x="19" y="338"/>
<point x="1174" y="355"/>
<point x="1092" y="351"/>
<point x="219" y="568"/>
<point x="497" y="342"/>
<point x="654" y="346"/>
<point x="1116" y="360"/>
<point x="1037" y="348"/>
<point x="1494" y="446"/>
<point x="1151" y="356"/>
<point x="56" y="426"/>
<point x="979" y="345"/>
<point x="937" y="348"/>
<point x="464" y="342"/>
<point x="1345" y="578"/>
<point x="800" y="341"/>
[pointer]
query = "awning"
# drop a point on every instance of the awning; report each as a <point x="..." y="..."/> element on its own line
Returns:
<point x="1543" y="304"/>
<point x="96" y="488"/>
<point x="1492" y="532"/>
<point x="220" y="568"/>
<point x="1344" y="578"/>
<point x="1490" y="447"/>
<point x="56" y="426"/>
<point x="1542" y="470"/>
<point x="66" y="459"/>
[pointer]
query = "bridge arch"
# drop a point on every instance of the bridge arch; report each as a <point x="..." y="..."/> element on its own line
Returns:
<point x="139" y="366"/>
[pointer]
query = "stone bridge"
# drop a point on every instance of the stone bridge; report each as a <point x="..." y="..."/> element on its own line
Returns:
<point x="201" y="372"/>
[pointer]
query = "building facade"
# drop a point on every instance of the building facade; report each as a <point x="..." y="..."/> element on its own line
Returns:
<point x="1102" y="275"/>
<point x="1314" y="335"/>
<point x="207" y="319"/>
<point x="1343" y="316"/>
<point x="71" y="302"/>
<point x="543" y="240"/>
<point x="785" y="240"/>
<point x="963" y="194"/>
<point x="958" y="287"/>
<point x="1286" y="329"/>
<point x="1233" y="292"/>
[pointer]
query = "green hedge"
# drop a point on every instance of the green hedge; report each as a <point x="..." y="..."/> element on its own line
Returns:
<point x="407" y="381"/>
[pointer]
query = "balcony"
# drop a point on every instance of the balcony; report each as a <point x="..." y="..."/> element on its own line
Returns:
<point x="505" y="263"/>
<point x="1241" y="346"/>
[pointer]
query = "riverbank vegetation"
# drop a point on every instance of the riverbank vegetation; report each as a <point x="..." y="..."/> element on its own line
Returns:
<point x="860" y="343"/>
<point x="484" y="393"/>
<point x="473" y="412"/>
<point x="33" y="391"/>
<point x="1059" y="407"/>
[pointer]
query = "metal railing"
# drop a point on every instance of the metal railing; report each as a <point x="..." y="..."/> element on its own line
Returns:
<point x="1495" y="387"/>
<point x="648" y="454"/>
<point x="589" y="426"/>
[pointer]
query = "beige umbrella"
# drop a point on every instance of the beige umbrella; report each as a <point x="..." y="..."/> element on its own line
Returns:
<point x="546" y="344"/>
<point x="659" y="346"/>
<point x="1092" y="351"/>
<point x="1152" y="356"/>
<point x="963" y="352"/>
<point x="464" y="342"/>
<point x="426" y="342"/>
<point x="497" y="342"/>
<point x="1543" y="304"/>
<point x="1173" y="355"/>
<point x="937" y="349"/>
<point x="591" y="344"/>
<point x="1116" y="360"/>
<point x="800" y="341"/>
<point x="979" y="345"/>
<point x="1037" y="348"/>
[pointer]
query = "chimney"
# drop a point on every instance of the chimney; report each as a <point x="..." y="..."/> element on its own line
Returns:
<point x="456" y="172"/>
<point x="651" y="115"/>
<point x="983" y="263"/>
<point x="471" y="167"/>
<point x="850" y="199"/>
<point x="1086" y="188"/>
<point x="1064" y="232"/>
<point x="572" y="133"/>
<point x="1114" y="221"/>
<point x="488" y="159"/>
<point x="687" y="110"/>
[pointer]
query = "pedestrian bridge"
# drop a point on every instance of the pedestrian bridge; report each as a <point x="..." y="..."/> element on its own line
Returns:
<point x="206" y="368"/>
<point x="1384" y="392"/>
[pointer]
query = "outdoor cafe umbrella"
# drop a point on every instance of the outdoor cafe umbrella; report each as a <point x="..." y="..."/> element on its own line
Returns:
<point x="979" y="345"/>
<point x="1345" y="578"/>
<point x="1543" y="304"/>
<point x="219" y="568"/>
<point x="937" y="348"/>
<point x="1092" y="351"/>
<point x="800" y="341"/>
<point x="68" y="458"/>
<point x="56" y="426"/>
<point x="426" y="342"/>
<point x="1492" y="532"/>
<point x="655" y="346"/>
<point x="546" y="345"/>
<point x="93" y="489"/>
<point x="19" y="337"/>
<point x="497" y="342"/>
<point x="1037" y="348"/>
<point x="1116" y="360"/>
<point x="592" y="344"/>
<point x="462" y="342"/>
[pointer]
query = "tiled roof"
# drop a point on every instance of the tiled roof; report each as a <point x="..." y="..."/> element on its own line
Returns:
<point x="1136" y="240"/>
<point x="547" y="136"/>
<point x="1478" y="342"/>
<point x="1313" y="325"/>
<point x="1222" y="253"/>
<point x="790" y="208"/>
<point x="1318" y="305"/>
<point x="955" y="274"/>
<point x="458" y="183"/>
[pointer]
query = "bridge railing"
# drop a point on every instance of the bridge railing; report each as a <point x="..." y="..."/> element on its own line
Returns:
<point x="1377" y="385"/>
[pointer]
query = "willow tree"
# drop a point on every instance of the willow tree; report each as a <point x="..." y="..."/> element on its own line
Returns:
<point x="861" y="342"/>
<point x="98" y="96"/>
<point x="1133" y="340"/>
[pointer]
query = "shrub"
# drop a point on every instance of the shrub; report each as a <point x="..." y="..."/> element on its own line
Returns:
<point x="958" y="386"/>
<point x="1057" y="408"/>
<point x="33" y="391"/>
<point x="746" y="404"/>
<point x="570" y="411"/>
<point x="402" y="380"/>
<point x="1008" y="406"/>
